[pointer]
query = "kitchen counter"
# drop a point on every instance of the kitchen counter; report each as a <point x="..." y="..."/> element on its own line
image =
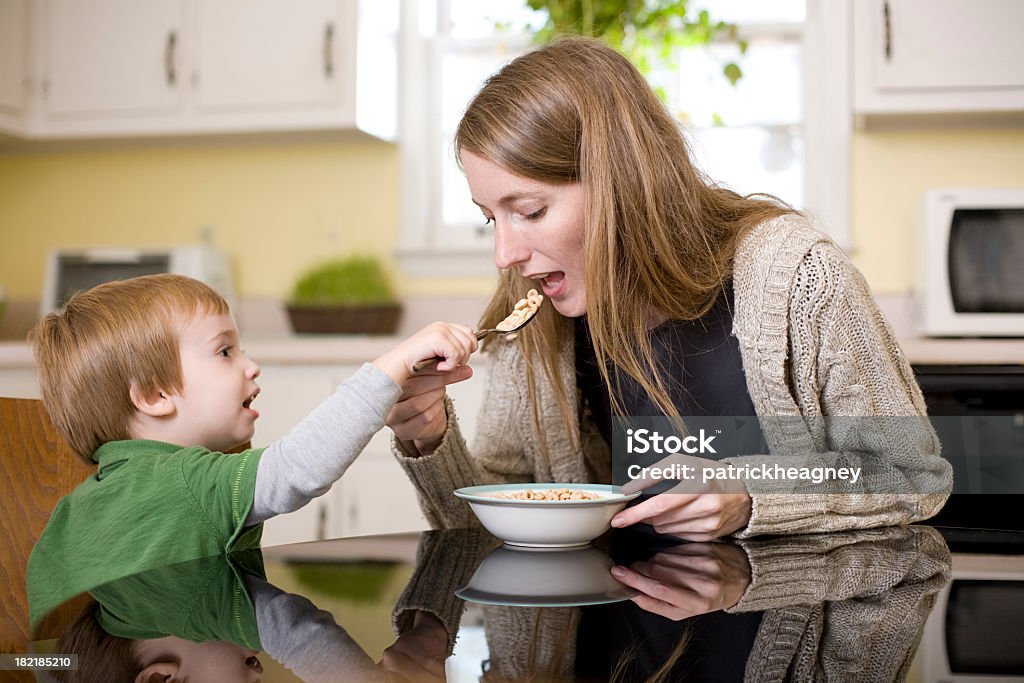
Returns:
<point x="349" y="349"/>
<point x="279" y="350"/>
<point x="266" y="340"/>
<point x="515" y="612"/>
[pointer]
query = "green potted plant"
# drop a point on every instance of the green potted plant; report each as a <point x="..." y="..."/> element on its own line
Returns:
<point x="646" y="32"/>
<point x="350" y="295"/>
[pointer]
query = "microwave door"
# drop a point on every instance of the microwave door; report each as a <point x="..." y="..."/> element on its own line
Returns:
<point x="986" y="253"/>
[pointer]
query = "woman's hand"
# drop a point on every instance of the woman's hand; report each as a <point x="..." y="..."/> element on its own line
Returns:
<point x="694" y="509"/>
<point x="419" y="653"/>
<point x="418" y="418"/>
<point x="689" y="579"/>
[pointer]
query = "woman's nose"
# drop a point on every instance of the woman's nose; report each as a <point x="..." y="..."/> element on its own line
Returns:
<point x="509" y="248"/>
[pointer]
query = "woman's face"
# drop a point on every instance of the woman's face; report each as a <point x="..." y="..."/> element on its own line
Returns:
<point x="538" y="229"/>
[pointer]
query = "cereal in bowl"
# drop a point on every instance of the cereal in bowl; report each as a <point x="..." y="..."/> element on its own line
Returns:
<point x="549" y="495"/>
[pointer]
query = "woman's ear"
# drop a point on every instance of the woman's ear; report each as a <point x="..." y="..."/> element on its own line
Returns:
<point x="157" y="404"/>
<point x="157" y="672"/>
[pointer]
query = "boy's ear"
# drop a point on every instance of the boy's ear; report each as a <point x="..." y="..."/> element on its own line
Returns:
<point x="158" y="404"/>
<point x="157" y="672"/>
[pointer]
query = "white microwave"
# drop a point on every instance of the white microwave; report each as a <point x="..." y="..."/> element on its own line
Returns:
<point x="75" y="270"/>
<point x="973" y="632"/>
<point x="971" y="273"/>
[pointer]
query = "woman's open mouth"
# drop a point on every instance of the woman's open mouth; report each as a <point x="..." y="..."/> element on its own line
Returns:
<point x="552" y="283"/>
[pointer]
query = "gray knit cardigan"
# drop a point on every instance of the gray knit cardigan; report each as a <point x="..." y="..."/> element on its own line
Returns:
<point x="813" y="345"/>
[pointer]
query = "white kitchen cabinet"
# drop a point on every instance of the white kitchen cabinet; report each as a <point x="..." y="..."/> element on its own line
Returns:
<point x="118" y="68"/>
<point x="14" y="74"/>
<point x="375" y="496"/>
<point x="112" y="58"/>
<point x="268" y="53"/>
<point x="938" y="56"/>
<point x="287" y="394"/>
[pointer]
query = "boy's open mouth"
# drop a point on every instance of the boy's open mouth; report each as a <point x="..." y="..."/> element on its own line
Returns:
<point x="248" y="402"/>
<point x="254" y="664"/>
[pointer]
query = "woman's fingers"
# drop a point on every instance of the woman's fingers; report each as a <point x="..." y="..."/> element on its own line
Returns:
<point x="660" y="506"/>
<point x="699" y="578"/>
<point x="656" y="596"/>
<point x="694" y="516"/>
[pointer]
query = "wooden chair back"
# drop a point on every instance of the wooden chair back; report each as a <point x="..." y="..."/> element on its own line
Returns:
<point x="37" y="468"/>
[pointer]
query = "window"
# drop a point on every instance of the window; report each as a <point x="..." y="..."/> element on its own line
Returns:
<point x="752" y="137"/>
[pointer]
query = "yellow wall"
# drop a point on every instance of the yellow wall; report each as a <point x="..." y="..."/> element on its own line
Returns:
<point x="276" y="208"/>
<point x="892" y="169"/>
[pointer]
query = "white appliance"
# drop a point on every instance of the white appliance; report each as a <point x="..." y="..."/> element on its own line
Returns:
<point x="971" y="272"/>
<point x="74" y="270"/>
<point x="973" y="634"/>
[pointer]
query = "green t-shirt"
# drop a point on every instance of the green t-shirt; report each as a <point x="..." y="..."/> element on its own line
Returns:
<point x="150" y="504"/>
<point x="201" y="600"/>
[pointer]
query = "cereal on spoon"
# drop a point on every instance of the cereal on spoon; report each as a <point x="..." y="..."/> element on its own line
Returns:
<point x="524" y="309"/>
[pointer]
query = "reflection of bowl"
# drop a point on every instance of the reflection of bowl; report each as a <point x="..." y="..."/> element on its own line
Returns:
<point x="545" y="578"/>
<point x="541" y="523"/>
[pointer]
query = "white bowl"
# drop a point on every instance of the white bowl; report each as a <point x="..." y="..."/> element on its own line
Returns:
<point x="543" y="577"/>
<point x="541" y="523"/>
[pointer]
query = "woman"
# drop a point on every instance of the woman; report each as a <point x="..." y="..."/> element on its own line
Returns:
<point x="668" y="295"/>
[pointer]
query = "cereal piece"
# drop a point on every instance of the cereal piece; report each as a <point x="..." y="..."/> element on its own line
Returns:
<point x="549" y="495"/>
<point x="524" y="309"/>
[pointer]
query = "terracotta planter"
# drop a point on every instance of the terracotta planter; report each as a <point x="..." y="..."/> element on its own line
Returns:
<point x="375" y="319"/>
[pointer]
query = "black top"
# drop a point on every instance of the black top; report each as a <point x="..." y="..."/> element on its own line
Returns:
<point x="703" y="371"/>
<point x="701" y="366"/>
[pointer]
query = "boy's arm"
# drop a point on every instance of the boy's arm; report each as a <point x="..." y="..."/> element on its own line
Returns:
<point x="311" y="457"/>
<point x="306" y="640"/>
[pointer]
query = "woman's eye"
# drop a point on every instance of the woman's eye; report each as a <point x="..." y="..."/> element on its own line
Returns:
<point x="488" y="220"/>
<point x="538" y="214"/>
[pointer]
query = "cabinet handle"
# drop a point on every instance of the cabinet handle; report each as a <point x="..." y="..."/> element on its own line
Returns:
<point x="888" y="31"/>
<point x="169" y="48"/>
<point x="329" y="50"/>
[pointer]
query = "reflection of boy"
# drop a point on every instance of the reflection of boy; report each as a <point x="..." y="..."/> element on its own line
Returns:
<point x="145" y="377"/>
<point x="208" y="620"/>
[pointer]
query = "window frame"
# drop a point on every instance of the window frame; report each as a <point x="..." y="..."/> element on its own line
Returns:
<point x="827" y="128"/>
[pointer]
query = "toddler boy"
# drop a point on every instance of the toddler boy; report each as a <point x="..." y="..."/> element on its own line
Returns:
<point x="145" y="378"/>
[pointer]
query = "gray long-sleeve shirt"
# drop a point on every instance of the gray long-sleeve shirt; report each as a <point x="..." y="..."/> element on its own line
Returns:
<point x="316" y="452"/>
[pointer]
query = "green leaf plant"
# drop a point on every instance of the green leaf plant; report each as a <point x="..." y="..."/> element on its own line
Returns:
<point x="354" y="281"/>
<point x="647" y="32"/>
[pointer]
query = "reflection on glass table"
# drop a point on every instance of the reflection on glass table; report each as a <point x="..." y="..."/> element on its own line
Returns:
<point x="388" y="608"/>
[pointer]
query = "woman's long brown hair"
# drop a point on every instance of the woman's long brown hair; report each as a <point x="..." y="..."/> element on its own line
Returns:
<point x="660" y="236"/>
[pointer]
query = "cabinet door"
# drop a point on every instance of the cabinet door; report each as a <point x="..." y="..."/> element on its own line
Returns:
<point x="113" y="56"/>
<point x="275" y="53"/>
<point x="926" y="44"/>
<point x="13" y="55"/>
<point x="287" y="395"/>
<point x="375" y="496"/>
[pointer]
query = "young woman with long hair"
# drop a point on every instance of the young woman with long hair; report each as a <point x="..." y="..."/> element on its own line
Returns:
<point x="668" y="295"/>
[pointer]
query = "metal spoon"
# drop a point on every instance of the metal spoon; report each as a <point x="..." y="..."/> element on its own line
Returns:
<point x="480" y="334"/>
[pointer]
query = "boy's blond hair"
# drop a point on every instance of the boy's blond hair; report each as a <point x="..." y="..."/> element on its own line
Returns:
<point x="106" y="340"/>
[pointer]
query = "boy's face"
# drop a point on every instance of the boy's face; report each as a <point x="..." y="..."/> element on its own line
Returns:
<point x="218" y="385"/>
<point x="212" y="661"/>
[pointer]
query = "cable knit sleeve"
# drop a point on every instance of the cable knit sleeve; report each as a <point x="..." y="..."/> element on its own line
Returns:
<point x="838" y="392"/>
<point x="501" y="454"/>
<point x="851" y="602"/>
